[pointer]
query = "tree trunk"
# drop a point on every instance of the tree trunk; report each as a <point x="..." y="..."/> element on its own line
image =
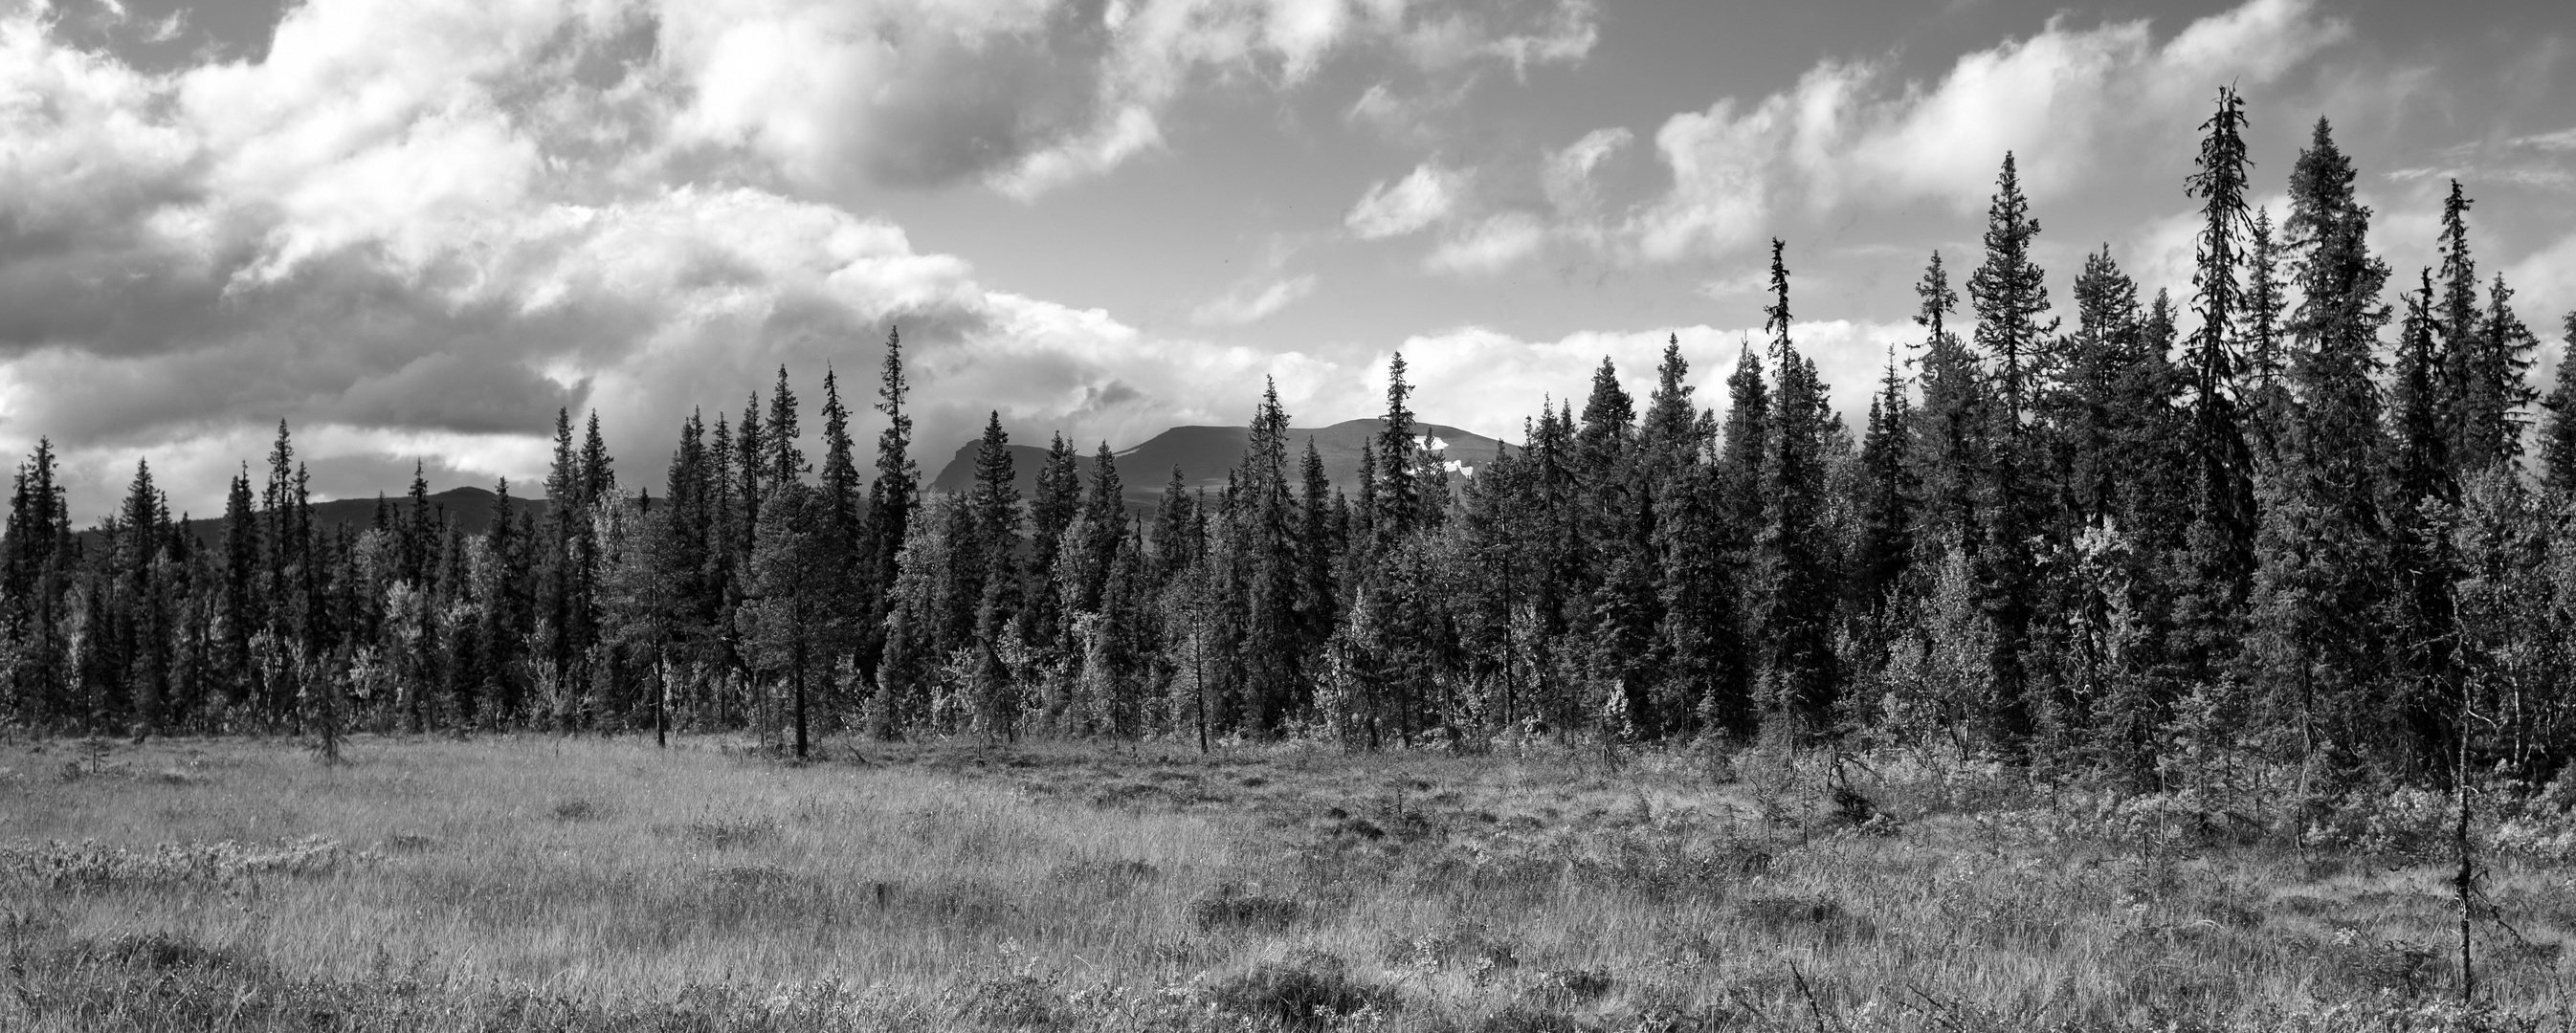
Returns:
<point x="799" y="675"/>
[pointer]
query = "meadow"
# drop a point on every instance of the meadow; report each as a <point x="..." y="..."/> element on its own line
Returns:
<point x="543" y="883"/>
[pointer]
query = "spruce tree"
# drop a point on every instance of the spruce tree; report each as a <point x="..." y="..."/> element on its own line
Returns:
<point x="598" y="474"/>
<point x="1262" y="530"/>
<point x="785" y="460"/>
<point x="1887" y="494"/>
<point x="1399" y="501"/>
<point x="2455" y="326"/>
<point x="753" y="463"/>
<point x="2010" y="294"/>
<point x="2266" y="366"/>
<point x="2225" y="463"/>
<point x="2322" y="592"/>
<point x="1319" y="548"/>
<point x="1104" y="516"/>
<point x="840" y="478"/>
<point x="892" y="496"/>
<point x="241" y="597"/>
<point x="2558" y="436"/>
<point x="1953" y="424"/>
<point x="2496" y="398"/>
<point x="144" y="625"/>
<point x="993" y="506"/>
<point x="2422" y="492"/>
<point x="1176" y="540"/>
<point x="1042" y="621"/>
<point x="1797" y="596"/>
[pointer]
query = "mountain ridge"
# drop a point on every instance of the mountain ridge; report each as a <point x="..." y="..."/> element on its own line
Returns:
<point x="1204" y="453"/>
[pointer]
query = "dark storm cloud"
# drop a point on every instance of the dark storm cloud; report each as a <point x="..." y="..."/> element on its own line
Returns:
<point x="166" y="35"/>
<point x="340" y="342"/>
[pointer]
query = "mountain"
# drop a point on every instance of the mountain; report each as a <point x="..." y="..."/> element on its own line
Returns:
<point x="470" y="509"/>
<point x="1204" y="454"/>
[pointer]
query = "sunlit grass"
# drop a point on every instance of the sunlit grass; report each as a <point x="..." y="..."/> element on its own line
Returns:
<point x="582" y="883"/>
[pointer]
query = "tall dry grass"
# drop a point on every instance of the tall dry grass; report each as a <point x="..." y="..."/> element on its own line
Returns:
<point x="572" y="884"/>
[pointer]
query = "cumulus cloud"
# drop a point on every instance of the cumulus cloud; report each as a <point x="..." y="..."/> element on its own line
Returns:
<point x="1027" y="95"/>
<point x="1422" y="197"/>
<point x="2067" y="101"/>
<point x="416" y="230"/>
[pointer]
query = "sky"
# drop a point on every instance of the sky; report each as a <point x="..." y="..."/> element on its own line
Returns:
<point x="416" y="229"/>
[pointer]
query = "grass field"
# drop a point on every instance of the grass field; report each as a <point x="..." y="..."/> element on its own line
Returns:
<point x="544" y="883"/>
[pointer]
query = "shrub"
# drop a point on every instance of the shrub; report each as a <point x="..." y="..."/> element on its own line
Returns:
<point x="1237" y="906"/>
<point x="1303" y="992"/>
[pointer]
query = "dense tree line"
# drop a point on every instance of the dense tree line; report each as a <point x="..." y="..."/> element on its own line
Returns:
<point x="2286" y="519"/>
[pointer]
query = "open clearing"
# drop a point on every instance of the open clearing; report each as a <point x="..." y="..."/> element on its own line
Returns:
<point x="546" y="883"/>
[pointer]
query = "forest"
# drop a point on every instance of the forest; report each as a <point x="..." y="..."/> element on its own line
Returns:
<point x="2303" y="513"/>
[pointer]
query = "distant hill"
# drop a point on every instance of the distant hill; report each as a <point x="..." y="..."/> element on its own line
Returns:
<point x="1204" y="454"/>
<point x="470" y="509"/>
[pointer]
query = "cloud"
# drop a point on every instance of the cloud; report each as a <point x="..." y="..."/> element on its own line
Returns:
<point x="2068" y="102"/>
<point x="1490" y="246"/>
<point x="2537" y="160"/>
<point x="2545" y="281"/>
<point x="1563" y="31"/>
<point x="1027" y="95"/>
<point x="1567" y="174"/>
<point x="414" y="231"/>
<point x="1252" y="301"/>
<point x="1408" y="205"/>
